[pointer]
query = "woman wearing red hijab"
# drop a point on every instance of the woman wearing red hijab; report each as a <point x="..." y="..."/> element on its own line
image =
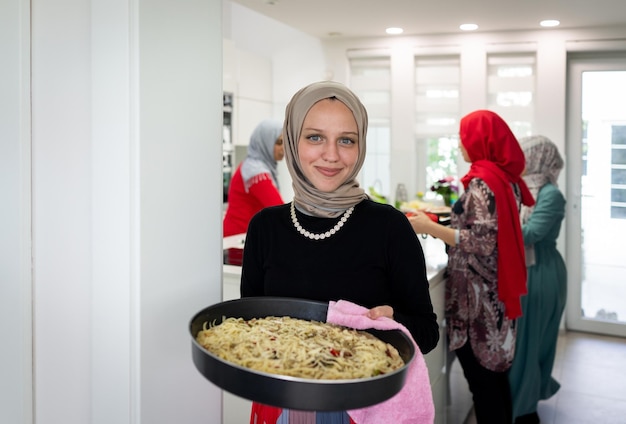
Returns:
<point x="486" y="272"/>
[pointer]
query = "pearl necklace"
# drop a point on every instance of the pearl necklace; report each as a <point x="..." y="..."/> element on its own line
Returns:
<point x="322" y="236"/>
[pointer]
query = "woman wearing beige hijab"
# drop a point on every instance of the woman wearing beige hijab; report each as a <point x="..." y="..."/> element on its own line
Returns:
<point x="332" y="242"/>
<point x="530" y="376"/>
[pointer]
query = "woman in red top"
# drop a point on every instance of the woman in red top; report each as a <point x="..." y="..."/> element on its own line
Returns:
<point x="254" y="185"/>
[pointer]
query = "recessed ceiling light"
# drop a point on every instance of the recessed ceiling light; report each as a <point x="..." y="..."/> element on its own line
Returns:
<point x="468" y="27"/>
<point x="549" y="23"/>
<point x="394" y="31"/>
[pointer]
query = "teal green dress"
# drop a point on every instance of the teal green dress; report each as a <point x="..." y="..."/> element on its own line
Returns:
<point x="530" y="375"/>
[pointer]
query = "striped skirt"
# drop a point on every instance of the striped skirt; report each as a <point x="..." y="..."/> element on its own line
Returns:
<point x="264" y="414"/>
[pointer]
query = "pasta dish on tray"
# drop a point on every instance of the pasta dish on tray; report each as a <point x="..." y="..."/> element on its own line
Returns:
<point x="299" y="348"/>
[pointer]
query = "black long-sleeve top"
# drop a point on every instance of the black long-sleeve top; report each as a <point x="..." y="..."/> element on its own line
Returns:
<point x="374" y="259"/>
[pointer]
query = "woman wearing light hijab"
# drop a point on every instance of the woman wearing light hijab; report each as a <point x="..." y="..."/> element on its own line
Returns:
<point x="486" y="261"/>
<point x="530" y="375"/>
<point x="332" y="242"/>
<point x="254" y="184"/>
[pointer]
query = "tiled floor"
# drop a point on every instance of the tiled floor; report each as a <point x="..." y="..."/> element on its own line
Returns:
<point x="592" y="372"/>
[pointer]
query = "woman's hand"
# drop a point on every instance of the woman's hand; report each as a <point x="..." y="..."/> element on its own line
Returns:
<point x="423" y="224"/>
<point x="380" y="311"/>
<point x="420" y="222"/>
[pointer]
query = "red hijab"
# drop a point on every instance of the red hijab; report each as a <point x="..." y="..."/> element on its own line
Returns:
<point x="498" y="159"/>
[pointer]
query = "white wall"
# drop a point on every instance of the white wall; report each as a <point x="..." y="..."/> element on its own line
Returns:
<point x="61" y="196"/>
<point x="114" y="145"/>
<point x="15" y="279"/>
<point x="126" y="208"/>
<point x="180" y="202"/>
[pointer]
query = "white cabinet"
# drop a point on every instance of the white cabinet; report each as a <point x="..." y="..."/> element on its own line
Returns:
<point x="229" y="65"/>
<point x="248" y="113"/>
<point x="249" y="77"/>
<point x="436" y="359"/>
<point x="236" y="410"/>
<point x="253" y="99"/>
<point x="255" y="76"/>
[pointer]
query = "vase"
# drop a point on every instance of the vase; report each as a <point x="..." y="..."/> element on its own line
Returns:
<point x="447" y="199"/>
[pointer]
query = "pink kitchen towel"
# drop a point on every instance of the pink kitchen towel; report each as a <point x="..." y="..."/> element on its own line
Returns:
<point x="414" y="403"/>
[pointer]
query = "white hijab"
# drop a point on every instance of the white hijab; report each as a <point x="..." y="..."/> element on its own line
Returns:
<point x="260" y="158"/>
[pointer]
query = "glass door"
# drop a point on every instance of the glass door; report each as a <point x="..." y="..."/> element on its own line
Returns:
<point x="596" y="194"/>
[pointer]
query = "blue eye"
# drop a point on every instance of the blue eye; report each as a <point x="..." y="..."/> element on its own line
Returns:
<point x="314" y="137"/>
<point x="347" y="141"/>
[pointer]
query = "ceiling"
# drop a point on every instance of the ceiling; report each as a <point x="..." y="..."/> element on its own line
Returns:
<point x="369" y="18"/>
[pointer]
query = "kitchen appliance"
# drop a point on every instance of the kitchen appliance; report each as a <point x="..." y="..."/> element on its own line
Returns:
<point x="227" y="144"/>
<point x="291" y="392"/>
<point x="233" y="256"/>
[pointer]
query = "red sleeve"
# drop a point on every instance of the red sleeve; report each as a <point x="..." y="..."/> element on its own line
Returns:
<point x="266" y="193"/>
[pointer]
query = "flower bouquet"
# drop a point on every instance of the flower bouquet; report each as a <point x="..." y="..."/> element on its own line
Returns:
<point x="447" y="189"/>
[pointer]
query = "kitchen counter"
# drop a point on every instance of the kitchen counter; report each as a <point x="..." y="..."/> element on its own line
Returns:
<point x="237" y="410"/>
<point x="436" y="258"/>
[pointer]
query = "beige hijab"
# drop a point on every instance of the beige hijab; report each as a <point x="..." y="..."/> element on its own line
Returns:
<point x="543" y="165"/>
<point x="307" y="198"/>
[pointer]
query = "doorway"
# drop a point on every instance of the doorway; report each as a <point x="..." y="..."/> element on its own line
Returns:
<point x="596" y="194"/>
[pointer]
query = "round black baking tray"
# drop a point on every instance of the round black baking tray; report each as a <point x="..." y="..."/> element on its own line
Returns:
<point x="291" y="392"/>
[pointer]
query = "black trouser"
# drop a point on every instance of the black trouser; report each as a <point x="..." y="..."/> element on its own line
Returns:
<point x="490" y="390"/>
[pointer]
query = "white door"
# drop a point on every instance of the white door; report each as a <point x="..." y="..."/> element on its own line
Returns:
<point x="596" y="194"/>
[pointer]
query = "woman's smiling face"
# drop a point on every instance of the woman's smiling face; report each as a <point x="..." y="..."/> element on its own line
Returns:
<point x="328" y="147"/>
